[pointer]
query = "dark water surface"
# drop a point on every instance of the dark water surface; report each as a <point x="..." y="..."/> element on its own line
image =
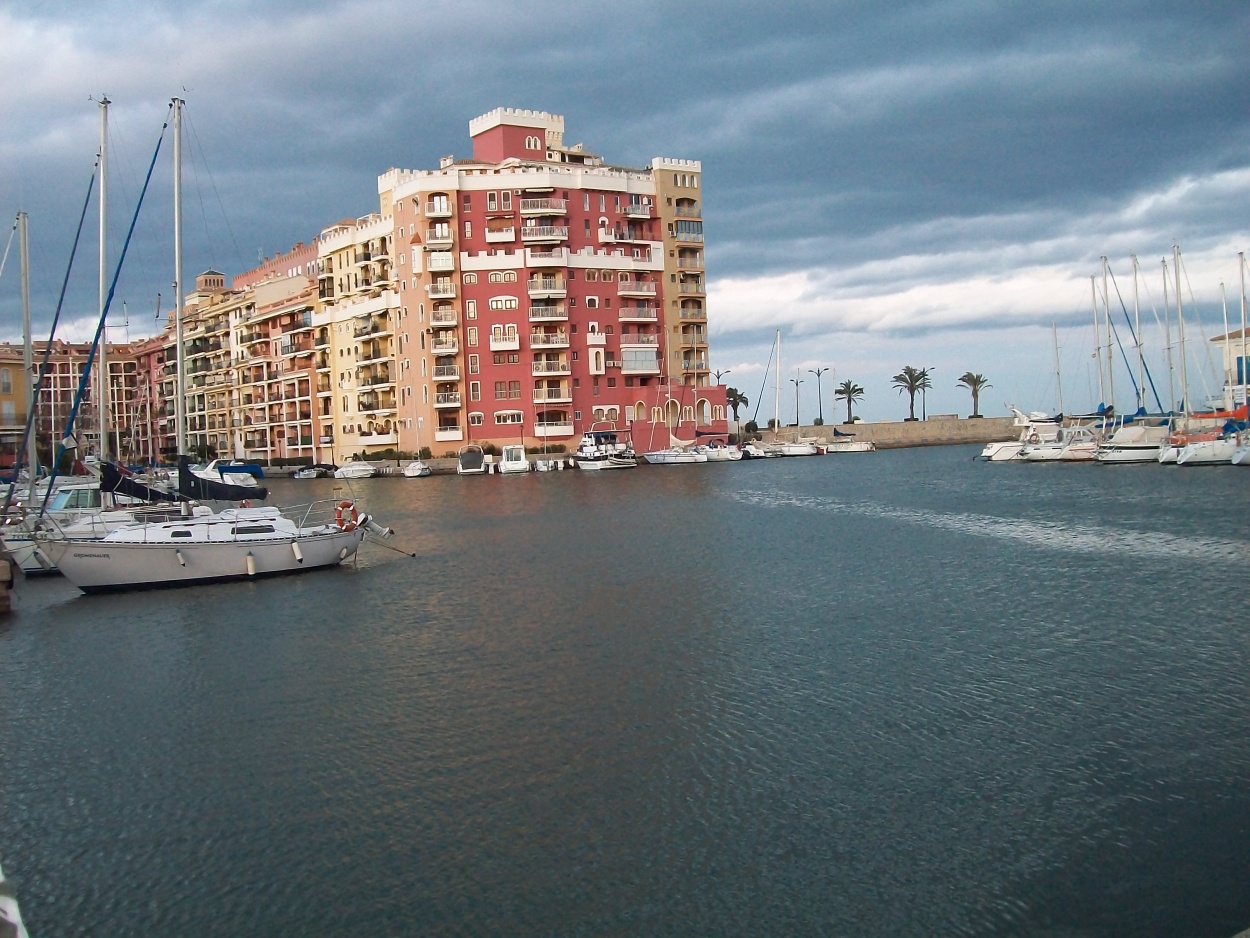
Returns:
<point x="897" y="694"/>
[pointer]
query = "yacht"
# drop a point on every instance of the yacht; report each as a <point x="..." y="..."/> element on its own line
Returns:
<point x="604" y="449"/>
<point x="1034" y="428"/>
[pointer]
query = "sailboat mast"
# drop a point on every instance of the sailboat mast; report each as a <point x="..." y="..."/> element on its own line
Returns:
<point x="777" y="390"/>
<point x="1180" y="327"/>
<point x="180" y="394"/>
<point x="1054" y="338"/>
<point x="1141" y="364"/>
<point x="1167" y="338"/>
<point x="1093" y="296"/>
<point x="28" y="354"/>
<point x="1228" y="378"/>
<point x="102" y="403"/>
<point x="1245" y="364"/>
<point x="1106" y="309"/>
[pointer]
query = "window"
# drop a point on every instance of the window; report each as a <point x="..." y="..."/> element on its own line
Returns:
<point x="586" y="227"/>
<point x="611" y="382"/>
<point x="475" y="419"/>
<point x="505" y="200"/>
<point x="470" y="278"/>
<point x="501" y="390"/>
<point x="472" y="335"/>
<point x="470" y="309"/>
<point x="514" y="358"/>
<point x="492" y="201"/>
<point x="514" y="390"/>
<point x="603" y="203"/>
<point x="509" y="276"/>
<point x="468" y="229"/>
<point x="467" y="202"/>
<point x="475" y="390"/>
<point x="496" y="276"/>
<point x="6" y="381"/>
<point x="592" y="302"/>
<point x="498" y="358"/>
<point x="474" y="364"/>
<point x="504" y="302"/>
<point x="592" y="275"/>
<point x="509" y="416"/>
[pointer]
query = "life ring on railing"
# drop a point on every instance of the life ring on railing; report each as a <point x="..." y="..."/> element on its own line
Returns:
<point x="346" y="516"/>
<point x="1034" y="439"/>
<point x="1179" y="439"/>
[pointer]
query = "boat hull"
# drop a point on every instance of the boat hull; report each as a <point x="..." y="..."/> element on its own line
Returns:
<point x="102" y="566"/>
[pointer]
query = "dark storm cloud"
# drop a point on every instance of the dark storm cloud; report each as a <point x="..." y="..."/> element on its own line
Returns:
<point x="868" y="169"/>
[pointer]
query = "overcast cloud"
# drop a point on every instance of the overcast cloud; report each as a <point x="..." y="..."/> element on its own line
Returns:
<point x="927" y="183"/>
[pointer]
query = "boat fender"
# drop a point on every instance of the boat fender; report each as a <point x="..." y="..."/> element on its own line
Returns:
<point x="251" y="564"/>
<point x="299" y="554"/>
<point x="346" y="516"/>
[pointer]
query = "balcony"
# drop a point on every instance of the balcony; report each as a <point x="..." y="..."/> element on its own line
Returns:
<point x="690" y="262"/>
<point x="445" y="346"/>
<point x="441" y="260"/>
<point x="505" y="341"/>
<point x="636" y="288"/>
<point x="640" y="366"/>
<point x="624" y="236"/>
<point x="553" y="396"/>
<point x="690" y="312"/>
<point x="639" y="338"/>
<point x="287" y="349"/>
<point x="549" y="339"/>
<point x="545" y="233"/>
<point x="638" y="314"/>
<point x="550" y="368"/>
<point x="692" y="210"/>
<point x="556" y="257"/>
<point x="691" y="287"/>
<point x="544" y="207"/>
<point x="440" y="208"/>
<point x="694" y="338"/>
<point x="694" y="364"/>
<point x="548" y="314"/>
<point x="695" y="237"/>
<point x="441" y="290"/>
<point x="370" y="328"/>
<point x="635" y="210"/>
<point x="550" y="428"/>
<point x="455" y="434"/>
<point x="363" y="258"/>
<point x="443" y="317"/>
<point x="546" y="288"/>
<point x="446" y="373"/>
<point x="438" y="238"/>
<point x="500" y="235"/>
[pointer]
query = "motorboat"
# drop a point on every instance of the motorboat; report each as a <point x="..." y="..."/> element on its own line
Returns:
<point x="355" y="470"/>
<point x="719" y="451"/>
<point x="470" y="460"/>
<point x="604" y="449"/>
<point x="1034" y="429"/>
<point x="244" y="474"/>
<point x="1133" y="443"/>
<point x="754" y="451"/>
<point x="848" y="445"/>
<point x="674" y="456"/>
<point x="203" y="547"/>
<point x="315" y="471"/>
<point x="512" y="459"/>
<point x="1071" y="444"/>
<point x="416" y="470"/>
<point x="793" y="448"/>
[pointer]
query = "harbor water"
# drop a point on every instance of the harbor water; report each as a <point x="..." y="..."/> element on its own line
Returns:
<point x="902" y="693"/>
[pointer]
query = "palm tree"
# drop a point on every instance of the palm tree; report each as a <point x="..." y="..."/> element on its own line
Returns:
<point x="912" y="380"/>
<point x="976" y="384"/>
<point x="850" y="392"/>
<point x="735" y="399"/>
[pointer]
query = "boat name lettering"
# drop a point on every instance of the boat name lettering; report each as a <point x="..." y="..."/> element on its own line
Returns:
<point x="78" y="554"/>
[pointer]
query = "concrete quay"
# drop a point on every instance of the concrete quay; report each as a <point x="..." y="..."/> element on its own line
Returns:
<point x="938" y="430"/>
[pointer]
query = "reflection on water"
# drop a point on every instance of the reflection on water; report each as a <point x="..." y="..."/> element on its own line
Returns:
<point x="902" y="694"/>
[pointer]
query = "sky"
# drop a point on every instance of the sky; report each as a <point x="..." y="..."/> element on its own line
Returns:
<point x="925" y="184"/>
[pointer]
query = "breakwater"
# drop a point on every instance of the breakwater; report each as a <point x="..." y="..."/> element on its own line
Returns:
<point x="936" y="431"/>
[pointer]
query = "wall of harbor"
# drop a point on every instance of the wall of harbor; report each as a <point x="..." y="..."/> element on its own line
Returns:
<point x="943" y="430"/>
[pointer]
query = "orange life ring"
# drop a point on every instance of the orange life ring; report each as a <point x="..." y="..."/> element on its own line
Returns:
<point x="346" y="516"/>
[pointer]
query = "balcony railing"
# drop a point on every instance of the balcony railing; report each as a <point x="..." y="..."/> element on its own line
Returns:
<point x="550" y="368"/>
<point x="556" y="257"/>
<point x="547" y="287"/>
<point x="443" y="317"/>
<point x="693" y="236"/>
<point x="441" y="260"/>
<point x="691" y="313"/>
<point x="548" y="339"/>
<point x="448" y="434"/>
<point x="638" y="314"/>
<point x="691" y="286"/>
<point x="550" y="428"/>
<point x="543" y="206"/>
<point x="446" y="372"/>
<point x="545" y="233"/>
<point x="445" y="346"/>
<point x="691" y="263"/>
<point x="689" y="211"/>
<point x="438" y="209"/>
<point x="646" y="287"/>
<point x="553" y="396"/>
<point x="500" y="235"/>
<point x="639" y="338"/>
<point x="505" y="341"/>
<point x="438" y="237"/>
<point x="442" y="290"/>
<point x="635" y="210"/>
<point x="540" y="313"/>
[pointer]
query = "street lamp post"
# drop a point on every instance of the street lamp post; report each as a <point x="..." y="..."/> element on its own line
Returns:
<point x="820" y="407"/>
<point x="720" y="374"/>
<point x="796" y="382"/>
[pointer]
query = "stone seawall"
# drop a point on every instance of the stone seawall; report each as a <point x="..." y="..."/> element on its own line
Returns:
<point x="939" y="431"/>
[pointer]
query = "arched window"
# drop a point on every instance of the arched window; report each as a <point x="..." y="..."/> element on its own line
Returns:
<point x="496" y="276"/>
<point x="504" y="302"/>
<point x="470" y="278"/>
<point x="509" y="276"/>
